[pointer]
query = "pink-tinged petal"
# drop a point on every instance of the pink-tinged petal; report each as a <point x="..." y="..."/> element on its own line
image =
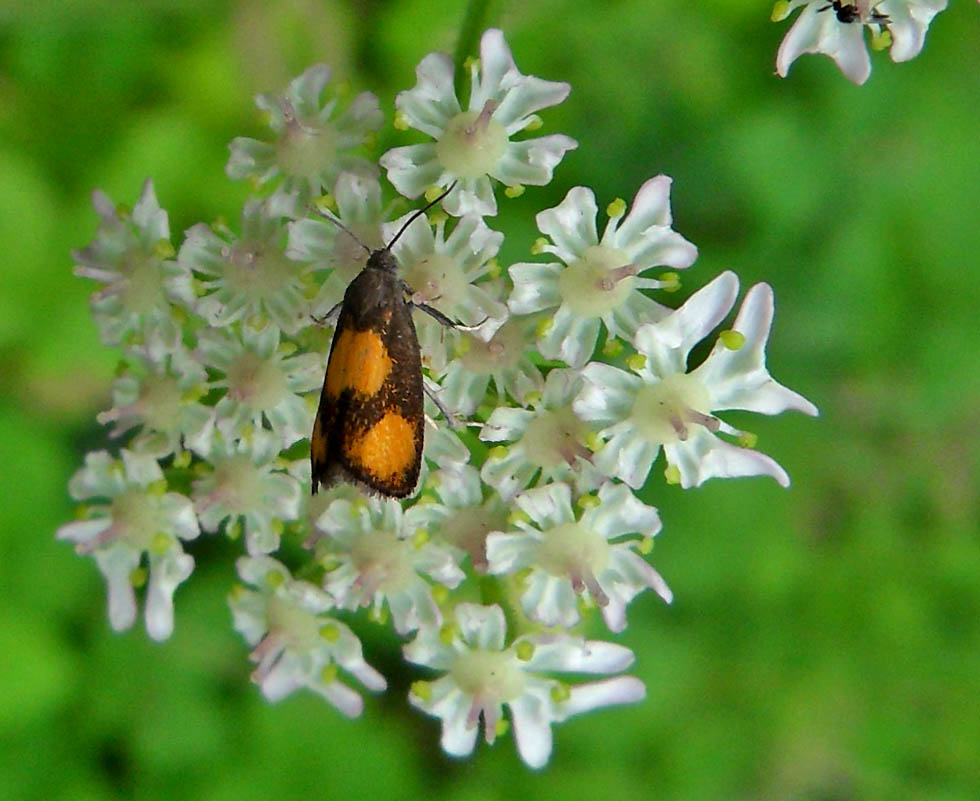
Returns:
<point x="575" y="655"/>
<point x="706" y="456"/>
<point x="738" y="379"/>
<point x="532" y="161"/>
<point x="83" y="532"/>
<point x="532" y="730"/>
<point x="571" y="224"/>
<point x="347" y="701"/>
<point x="668" y="342"/>
<point x="281" y="679"/>
<point x="432" y="102"/>
<point x="610" y="692"/>
<point x="614" y="613"/>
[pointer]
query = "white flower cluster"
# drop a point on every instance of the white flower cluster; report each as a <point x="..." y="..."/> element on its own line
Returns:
<point x="570" y="372"/>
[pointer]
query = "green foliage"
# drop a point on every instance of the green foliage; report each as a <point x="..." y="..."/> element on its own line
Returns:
<point x="825" y="640"/>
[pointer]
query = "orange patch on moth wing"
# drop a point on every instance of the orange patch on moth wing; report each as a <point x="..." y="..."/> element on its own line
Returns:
<point x="385" y="450"/>
<point x="359" y="361"/>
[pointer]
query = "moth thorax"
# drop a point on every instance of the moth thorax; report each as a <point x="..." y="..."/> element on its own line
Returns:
<point x="382" y="260"/>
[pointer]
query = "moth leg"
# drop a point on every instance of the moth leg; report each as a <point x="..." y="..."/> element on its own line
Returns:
<point x="450" y="418"/>
<point x="329" y="316"/>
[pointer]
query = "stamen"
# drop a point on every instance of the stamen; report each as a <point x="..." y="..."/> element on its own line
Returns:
<point x="706" y="420"/>
<point x="608" y="282"/>
<point x="481" y="123"/>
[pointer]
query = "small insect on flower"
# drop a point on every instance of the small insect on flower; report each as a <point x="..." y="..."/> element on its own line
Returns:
<point x="369" y="426"/>
<point x="861" y="11"/>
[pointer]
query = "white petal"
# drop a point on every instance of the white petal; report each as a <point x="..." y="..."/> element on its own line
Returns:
<point x="738" y="379"/>
<point x="548" y="506"/>
<point x="412" y="169"/>
<point x="506" y="423"/>
<point x="430" y="104"/>
<point x="607" y="395"/>
<point x="706" y="456"/>
<point x="508" y="553"/>
<point x="571" y="224"/>
<point x="619" y="690"/>
<point x="481" y="626"/>
<point x="621" y="512"/>
<point x="668" y="342"/>
<point x="165" y="574"/>
<point x="532" y="161"/>
<point x="535" y="287"/>
<point x="575" y="655"/>
<point x="532" y="730"/>
<point x="347" y="701"/>
<point x="908" y="24"/>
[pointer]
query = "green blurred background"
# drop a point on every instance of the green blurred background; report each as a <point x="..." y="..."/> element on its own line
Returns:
<point x="825" y="640"/>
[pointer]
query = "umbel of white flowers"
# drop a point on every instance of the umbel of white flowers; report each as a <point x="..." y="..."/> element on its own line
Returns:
<point x="572" y="368"/>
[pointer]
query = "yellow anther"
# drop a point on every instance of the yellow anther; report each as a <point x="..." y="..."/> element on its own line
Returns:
<point x="544" y="325"/>
<point x="422" y="690"/>
<point x="330" y="632"/>
<point x="138" y="577"/>
<point x="617" y="208"/>
<point x="746" y="439"/>
<point x="612" y="348"/>
<point x="732" y="340"/>
<point x="162" y="249"/>
<point x="161" y="543"/>
<point x="329" y="674"/>
<point x="539" y="246"/>
<point x="513" y="191"/>
<point x="672" y="474"/>
<point x="524" y="650"/>
<point x="636" y="362"/>
<point x="780" y="10"/>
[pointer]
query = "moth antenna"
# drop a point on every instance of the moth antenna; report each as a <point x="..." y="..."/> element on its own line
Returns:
<point x="417" y="214"/>
<point x="342" y="227"/>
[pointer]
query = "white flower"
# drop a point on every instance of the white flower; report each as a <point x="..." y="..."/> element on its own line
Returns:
<point x="549" y="440"/>
<point x="463" y="519"/>
<point x="663" y="404"/>
<point x="376" y="556"/>
<point x="504" y="358"/>
<point x="264" y="381"/>
<point x="245" y="485"/>
<point x="131" y="254"/>
<point x="314" y="140"/>
<point x="598" y="281"/>
<point x="249" y="277"/>
<point x="474" y="146"/>
<point x="326" y="246"/>
<point x="836" y="28"/>
<point x="443" y="271"/>
<point x="162" y="399"/>
<point x="482" y="674"/>
<point x="296" y="643"/>
<point x="566" y="557"/>
<point x="141" y="517"/>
